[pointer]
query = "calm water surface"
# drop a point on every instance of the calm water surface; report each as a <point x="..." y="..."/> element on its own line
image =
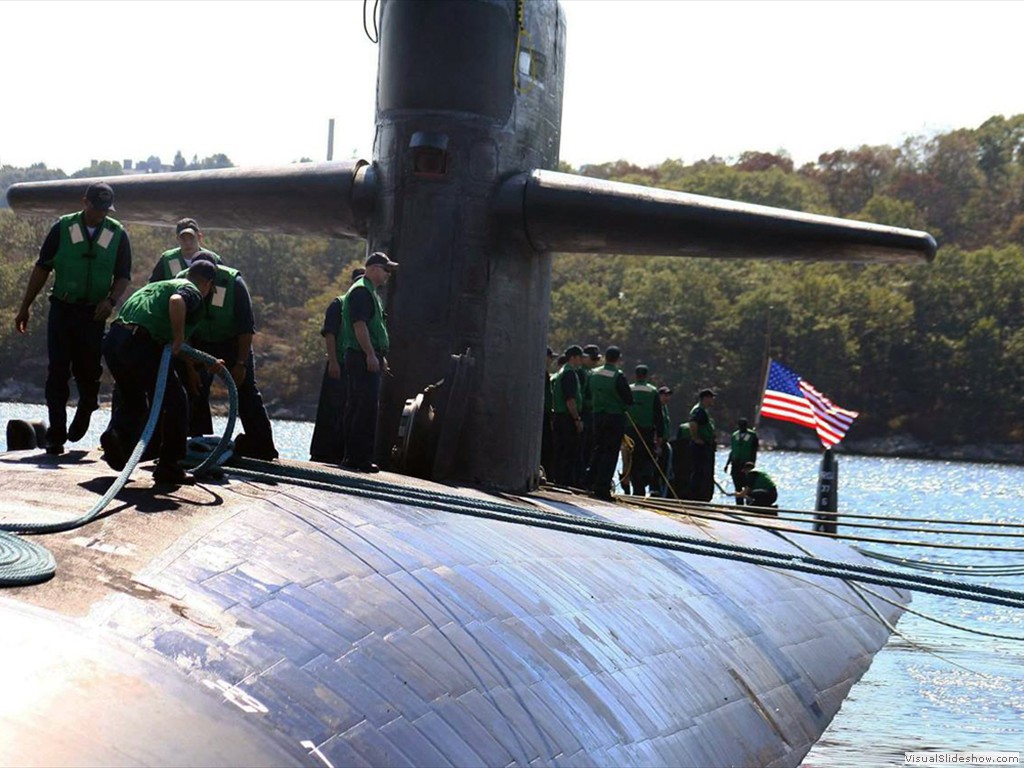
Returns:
<point x="932" y="687"/>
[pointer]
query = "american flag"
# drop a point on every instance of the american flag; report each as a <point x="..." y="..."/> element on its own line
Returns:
<point x="787" y="397"/>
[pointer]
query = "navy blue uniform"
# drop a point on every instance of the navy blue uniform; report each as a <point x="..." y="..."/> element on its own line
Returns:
<point x="133" y="358"/>
<point x="74" y="339"/>
<point x="259" y="439"/>
<point x="363" y="387"/>
<point x="328" y="441"/>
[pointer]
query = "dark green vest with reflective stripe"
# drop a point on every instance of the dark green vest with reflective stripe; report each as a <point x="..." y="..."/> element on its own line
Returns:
<point x="604" y="395"/>
<point x="340" y="338"/>
<point x="706" y="432"/>
<point x="173" y="262"/>
<point x="84" y="269"/>
<point x="759" y="481"/>
<point x="557" y="398"/>
<point x="742" y="449"/>
<point x="148" y="307"/>
<point x="642" y="409"/>
<point x="376" y="327"/>
<point x="218" y="323"/>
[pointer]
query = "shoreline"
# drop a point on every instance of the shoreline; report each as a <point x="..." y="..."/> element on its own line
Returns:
<point x="900" y="445"/>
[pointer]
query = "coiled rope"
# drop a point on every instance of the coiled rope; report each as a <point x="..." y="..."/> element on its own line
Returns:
<point x="22" y="563"/>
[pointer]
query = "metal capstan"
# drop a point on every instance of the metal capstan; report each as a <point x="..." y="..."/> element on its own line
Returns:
<point x="462" y="193"/>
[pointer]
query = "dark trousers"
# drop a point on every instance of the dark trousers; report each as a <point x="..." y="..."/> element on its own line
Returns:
<point x="764" y="497"/>
<point x="547" y="446"/>
<point x="737" y="482"/>
<point x="567" y="450"/>
<point x="586" y="445"/>
<point x="363" y="393"/>
<point x="259" y="436"/>
<point x="642" y="471"/>
<point x="74" y="342"/>
<point x="682" y="465"/>
<point x="328" y="441"/>
<point x="134" y="361"/>
<point x="702" y="472"/>
<point x="608" y="431"/>
<point x="666" y="478"/>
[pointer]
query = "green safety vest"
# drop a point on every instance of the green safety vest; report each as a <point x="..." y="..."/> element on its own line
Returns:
<point x="378" y="331"/>
<point x="588" y="397"/>
<point x="741" y="447"/>
<point x="603" y="392"/>
<point x="173" y="262"/>
<point x="218" y="322"/>
<point x="557" y="398"/>
<point x="759" y="481"/>
<point x="148" y="307"/>
<point x="85" y="268"/>
<point x="339" y="337"/>
<point x="666" y="423"/>
<point x="705" y="431"/>
<point x="547" y="393"/>
<point x="642" y="409"/>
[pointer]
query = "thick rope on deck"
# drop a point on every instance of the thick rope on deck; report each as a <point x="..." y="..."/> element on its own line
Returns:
<point x="26" y="565"/>
<point x="324" y="479"/>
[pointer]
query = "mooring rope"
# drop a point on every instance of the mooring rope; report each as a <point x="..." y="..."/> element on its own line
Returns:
<point x="522" y="515"/>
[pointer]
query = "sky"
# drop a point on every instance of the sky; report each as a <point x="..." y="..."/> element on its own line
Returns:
<point x="646" y="80"/>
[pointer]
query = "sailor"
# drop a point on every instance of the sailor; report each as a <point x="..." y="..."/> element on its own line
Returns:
<point x="328" y="442"/>
<point x="190" y="241"/>
<point x="365" y="341"/>
<point x="682" y="460"/>
<point x="666" y="475"/>
<point x="758" y="487"/>
<point x="702" y="447"/>
<point x="567" y="423"/>
<point x="590" y="362"/>
<point x="160" y="313"/>
<point x="644" y="428"/>
<point x="742" y="448"/>
<point x="225" y="332"/>
<point x="547" y="440"/>
<point x="610" y="397"/>
<point x="91" y="258"/>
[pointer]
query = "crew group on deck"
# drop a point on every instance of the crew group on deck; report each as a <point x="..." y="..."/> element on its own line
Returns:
<point x="593" y="415"/>
<point x="591" y="410"/>
<point x="192" y="296"/>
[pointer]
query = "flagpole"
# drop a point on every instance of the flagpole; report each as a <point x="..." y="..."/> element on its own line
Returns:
<point x="767" y="366"/>
<point x="761" y="396"/>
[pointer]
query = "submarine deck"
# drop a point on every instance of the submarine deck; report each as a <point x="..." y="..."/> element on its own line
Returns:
<point x="241" y="621"/>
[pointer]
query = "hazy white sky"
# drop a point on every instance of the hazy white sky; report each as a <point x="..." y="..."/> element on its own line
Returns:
<point x="645" y="80"/>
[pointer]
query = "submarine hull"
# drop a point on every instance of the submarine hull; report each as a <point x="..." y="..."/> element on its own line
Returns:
<point x="267" y="623"/>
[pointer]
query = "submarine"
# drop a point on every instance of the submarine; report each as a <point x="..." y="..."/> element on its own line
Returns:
<point x="451" y="610"/>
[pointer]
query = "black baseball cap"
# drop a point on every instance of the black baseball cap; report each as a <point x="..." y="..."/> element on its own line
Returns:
<point x="612" y="354"/>
<point x="574" y="350"/>
<point x="100" y="196"/>
<point x="640" y="370"/>
<point x="203" y="269"/>
<point x="204" y="255"/>
<point x="664" y="390"/>
<point x="380" y="259"/>
<point x="707" y="391"/>
<point x="184" y="224"/>
<point x="592" y="351"/>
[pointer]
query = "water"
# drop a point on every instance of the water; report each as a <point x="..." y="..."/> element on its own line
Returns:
<point x="935" y="688"/>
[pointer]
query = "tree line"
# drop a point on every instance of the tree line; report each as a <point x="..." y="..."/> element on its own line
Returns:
<point x="935" y="352"/>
